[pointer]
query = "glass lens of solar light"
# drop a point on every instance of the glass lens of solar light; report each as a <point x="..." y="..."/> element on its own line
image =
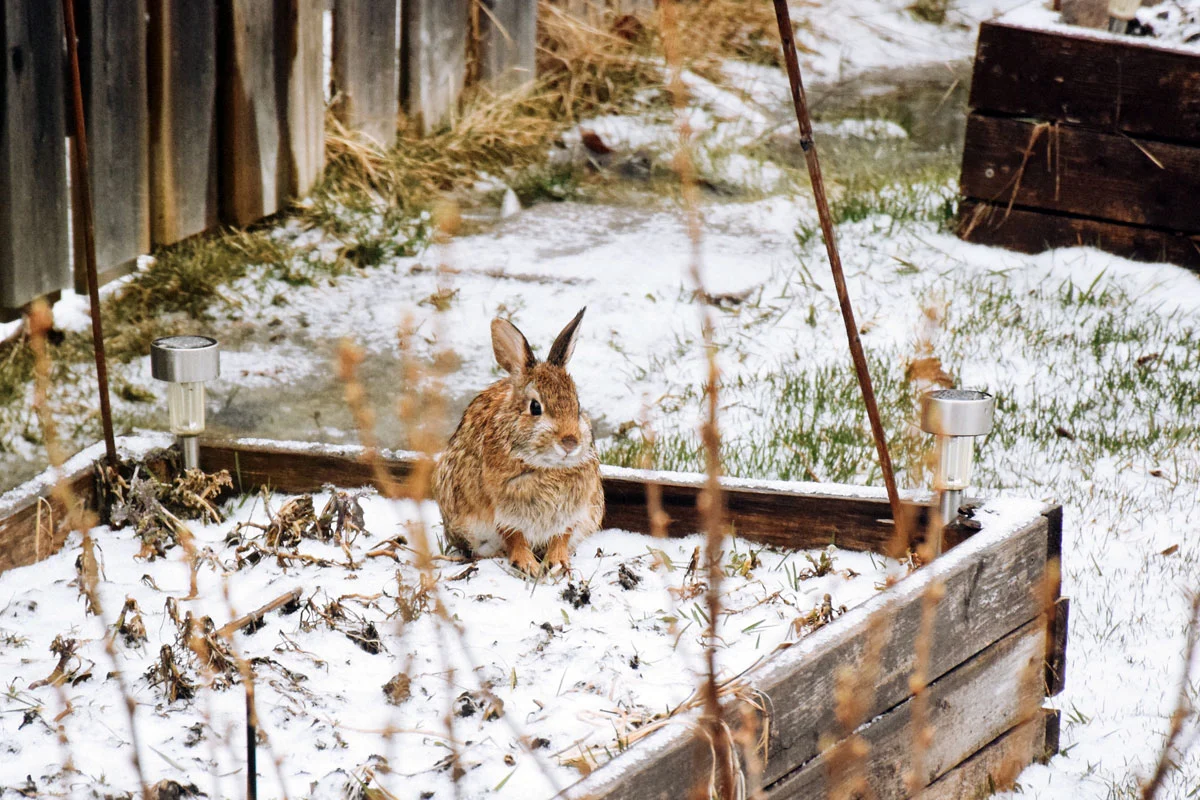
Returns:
<point x="185" y="404"/>
<point x="955" y="454"/>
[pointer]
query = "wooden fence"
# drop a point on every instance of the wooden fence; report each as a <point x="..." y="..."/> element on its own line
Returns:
<point x="201" y="112"/>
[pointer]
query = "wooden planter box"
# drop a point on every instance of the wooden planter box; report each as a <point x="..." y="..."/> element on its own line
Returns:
<point x="1083" y="138"/>
<point x="997" y="649"/>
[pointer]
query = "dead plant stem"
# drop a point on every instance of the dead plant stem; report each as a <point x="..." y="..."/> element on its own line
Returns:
<point x="712" y="503"/>
<point x="1169" y="754"/>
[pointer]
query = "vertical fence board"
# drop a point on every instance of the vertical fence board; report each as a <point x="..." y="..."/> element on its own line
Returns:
<point x="434" y="59"/>
<point x="112" y="62"/>
<point x="508" y="33"/>
<point x="272" y="103"/>
<point x="250" y="107"/>
<point x="33" y="173"/>
<point x="365" y="45"/>
<point x="305" y="123"/>
<point x="183" y="118"/>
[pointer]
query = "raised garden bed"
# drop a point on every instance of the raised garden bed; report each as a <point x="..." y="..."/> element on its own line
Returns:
<point x="995" y="650"/>
<point x="1080" y="137"/>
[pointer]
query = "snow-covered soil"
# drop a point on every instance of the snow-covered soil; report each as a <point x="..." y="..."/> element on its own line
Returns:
<point x="541" y="681"/>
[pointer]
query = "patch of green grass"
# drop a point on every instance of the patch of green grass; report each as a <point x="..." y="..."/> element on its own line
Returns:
<point x="930" y="10"/>
<point x="1116" y="384"/>
<point x="900" y="203"/>
<point x="546" y="182"/>
<point x="815" y="427"/>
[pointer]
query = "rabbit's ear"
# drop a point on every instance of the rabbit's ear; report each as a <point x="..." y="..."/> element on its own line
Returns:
<point x="513" y="353"/>
<point x="564" y="345"/>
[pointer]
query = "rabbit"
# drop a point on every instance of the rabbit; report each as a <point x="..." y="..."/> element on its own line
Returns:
<point x="520" y="476"/>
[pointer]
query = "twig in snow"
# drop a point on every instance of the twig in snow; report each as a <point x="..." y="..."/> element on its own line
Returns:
<point x="257" y="614"/>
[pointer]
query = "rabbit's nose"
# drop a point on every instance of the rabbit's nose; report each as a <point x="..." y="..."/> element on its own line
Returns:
<point x="569" y="442"/>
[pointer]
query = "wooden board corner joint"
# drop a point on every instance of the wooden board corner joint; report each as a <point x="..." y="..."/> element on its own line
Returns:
<point x="1056" y="648"/>
<point x="1053" y="720"/>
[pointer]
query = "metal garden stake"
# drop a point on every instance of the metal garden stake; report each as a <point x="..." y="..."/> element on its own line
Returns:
<point x="857" y="355"/>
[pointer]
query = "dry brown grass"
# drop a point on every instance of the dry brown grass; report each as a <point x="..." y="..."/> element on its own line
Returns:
<point x="584" y="69"/>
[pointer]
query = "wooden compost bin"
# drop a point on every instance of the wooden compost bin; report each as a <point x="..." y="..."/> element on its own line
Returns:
<point x="997" y="650"/>
<point x="1082" y="137"/>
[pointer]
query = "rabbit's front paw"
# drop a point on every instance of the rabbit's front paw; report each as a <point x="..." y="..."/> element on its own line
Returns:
<point x="523" y="559"/>
<point x="558" y="554"/>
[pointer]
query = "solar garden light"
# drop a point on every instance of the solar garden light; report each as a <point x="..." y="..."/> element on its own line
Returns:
<point x="185" y="363"/>
<point x="956" y="417"/>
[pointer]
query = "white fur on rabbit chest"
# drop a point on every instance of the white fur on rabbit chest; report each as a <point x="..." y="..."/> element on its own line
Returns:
<point x="486" y="537"/>
<point x="541" y="505"/>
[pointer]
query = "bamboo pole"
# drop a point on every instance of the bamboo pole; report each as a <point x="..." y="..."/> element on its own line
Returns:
<point x="85" y="222"/>
<point x="835" y="261"/>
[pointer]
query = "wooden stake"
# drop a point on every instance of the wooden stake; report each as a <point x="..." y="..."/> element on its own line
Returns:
<point x="835" y="261"/>
<point x="251" y="742"/>
<point x="229" y="628"/>
<point x="84" y="222"/>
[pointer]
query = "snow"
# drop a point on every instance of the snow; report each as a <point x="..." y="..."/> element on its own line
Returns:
<point x="869" y="129"/>
<point x="639" y="356"/>
<point x="845" y="38"/>
<point x="1170" y="25"/>
<point x="578" y="675"/>
<point x="131" y="446"/>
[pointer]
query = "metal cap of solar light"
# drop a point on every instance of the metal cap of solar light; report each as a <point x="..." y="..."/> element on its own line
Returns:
<point x="186" y="363"/>
<point x="956" y="417"/>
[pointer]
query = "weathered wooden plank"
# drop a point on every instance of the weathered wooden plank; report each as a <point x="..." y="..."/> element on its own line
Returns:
<point x="433" y="59"/>
<point x="273" y="103"/>
<point x="33" y="528"/>
<point x="967" y="708"/>
<point x="1071" y="170"/>
<point x="989" y="585"/>
<point x="1128" y="84"/>
<point x="986" y="597"/>
<point x="112" y="64"/>
<point x="784" y="519"/>
<point x="508" y="43"/>
<point x="34" y="258"/>
<point x="992" y="768"/>
<point x="366" y="79"/>
<point x="305" y="119"/>
<point x="270" y="90"/>
<point x="182" y="64"/>
<point x="1032" y="231"/>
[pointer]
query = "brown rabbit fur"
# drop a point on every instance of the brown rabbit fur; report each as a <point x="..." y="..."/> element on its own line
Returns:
<point x="520" y="475"/>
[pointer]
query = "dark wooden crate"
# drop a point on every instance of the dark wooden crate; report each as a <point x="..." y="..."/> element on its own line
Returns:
<point x="1083" y="139"/>
<point x="998" y="645"/>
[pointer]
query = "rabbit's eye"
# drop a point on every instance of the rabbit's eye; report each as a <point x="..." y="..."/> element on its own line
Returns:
<point x="535" y="408"/>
